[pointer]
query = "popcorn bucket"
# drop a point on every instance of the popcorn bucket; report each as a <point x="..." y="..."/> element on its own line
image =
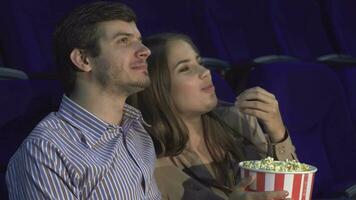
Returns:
<point x="298" y="184"/>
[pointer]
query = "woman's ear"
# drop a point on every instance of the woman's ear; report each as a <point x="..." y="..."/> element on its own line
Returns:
<point x="80" y="59"/>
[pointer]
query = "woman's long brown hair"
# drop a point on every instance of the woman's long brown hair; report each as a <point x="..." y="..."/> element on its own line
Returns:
<point x="167" y="129"/>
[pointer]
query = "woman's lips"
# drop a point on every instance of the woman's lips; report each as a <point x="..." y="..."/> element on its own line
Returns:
<point x="209" y="88"/>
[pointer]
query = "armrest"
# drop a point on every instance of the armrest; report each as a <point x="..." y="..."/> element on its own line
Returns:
<point x="216" y="64"/>
<point x="8" y="73"/>
<point x="351" y="192"/>
<point x="337" y="59"/>
<point x="274" y="58"/>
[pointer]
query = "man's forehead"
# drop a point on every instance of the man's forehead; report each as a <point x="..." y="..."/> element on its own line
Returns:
<point x="110" y="29"/>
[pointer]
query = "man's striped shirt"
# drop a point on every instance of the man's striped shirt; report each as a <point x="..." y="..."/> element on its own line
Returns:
<point x="72" y="154"/>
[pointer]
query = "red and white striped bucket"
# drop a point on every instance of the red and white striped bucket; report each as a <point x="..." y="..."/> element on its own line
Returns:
<point x="298" y="184"/>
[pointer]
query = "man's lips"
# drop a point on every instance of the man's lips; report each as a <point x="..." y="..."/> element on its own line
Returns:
<point x="139" y="66"/>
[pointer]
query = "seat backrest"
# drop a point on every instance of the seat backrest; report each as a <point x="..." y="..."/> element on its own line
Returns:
<point x="347" y="77"/>
<point x="157" y="16"/>
<point x="218" y="68"/>
<point x="223" y="90"/>
<point x="1" y="59"/>
<point x="27" y="30"/>
<point x="23" y="104"/>
<point x="238" y="30"/>
<point x="299" y="28"/>
<point x="341" y="17"/>
<point x="314" y="109"/>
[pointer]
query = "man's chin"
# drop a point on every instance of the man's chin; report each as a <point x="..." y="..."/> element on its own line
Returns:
<point x="140" y="85"/>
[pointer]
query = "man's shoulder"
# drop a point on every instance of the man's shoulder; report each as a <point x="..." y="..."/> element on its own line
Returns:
<point x="40" y="139"/>
<point x="51" y="130"/>
<point x="51" y="124"/>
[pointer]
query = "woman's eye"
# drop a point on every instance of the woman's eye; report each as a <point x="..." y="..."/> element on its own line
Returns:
<point x="184" y="69"/>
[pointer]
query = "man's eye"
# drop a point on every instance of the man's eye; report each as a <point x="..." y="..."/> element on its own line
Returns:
<point x="124" y="40"/>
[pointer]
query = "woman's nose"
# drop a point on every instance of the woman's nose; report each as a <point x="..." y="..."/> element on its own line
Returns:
<point x="204" y="73"/>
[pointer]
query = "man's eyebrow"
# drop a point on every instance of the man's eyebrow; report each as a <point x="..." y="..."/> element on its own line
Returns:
<point x="119" y="34"/>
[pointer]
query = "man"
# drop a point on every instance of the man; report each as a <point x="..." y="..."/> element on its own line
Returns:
<point x="95" y="146"/>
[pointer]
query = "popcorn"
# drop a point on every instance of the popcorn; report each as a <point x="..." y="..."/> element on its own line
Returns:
<point x="270" y="175"/>
<point x="277" y="166"/>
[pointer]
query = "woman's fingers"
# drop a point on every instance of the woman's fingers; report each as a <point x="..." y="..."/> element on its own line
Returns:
<point x="256" y="93"/>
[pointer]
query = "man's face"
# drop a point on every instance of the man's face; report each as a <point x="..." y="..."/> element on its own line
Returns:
<point x="121" y="66"/>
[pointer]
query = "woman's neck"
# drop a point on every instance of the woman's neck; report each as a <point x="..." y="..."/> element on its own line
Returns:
<point x="196" y="138"/>
<point x="195" y="130"/>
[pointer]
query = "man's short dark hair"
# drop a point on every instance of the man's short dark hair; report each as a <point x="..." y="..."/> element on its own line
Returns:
<point x="79" y="29"/>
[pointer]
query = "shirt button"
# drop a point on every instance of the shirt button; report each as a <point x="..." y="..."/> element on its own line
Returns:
<point x="110" y="129"/>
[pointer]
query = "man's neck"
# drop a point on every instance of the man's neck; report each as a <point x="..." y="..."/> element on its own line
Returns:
<point x="106" y="106"/>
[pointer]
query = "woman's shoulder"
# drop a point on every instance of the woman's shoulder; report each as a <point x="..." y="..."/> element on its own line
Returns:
<point x="164" y="162"/>
<point x="174" y="183"/>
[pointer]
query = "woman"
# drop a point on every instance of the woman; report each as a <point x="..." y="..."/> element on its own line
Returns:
<point x="198" y="143"/>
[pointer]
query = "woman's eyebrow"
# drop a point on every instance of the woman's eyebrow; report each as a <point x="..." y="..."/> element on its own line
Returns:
<point x="181" y="62"/>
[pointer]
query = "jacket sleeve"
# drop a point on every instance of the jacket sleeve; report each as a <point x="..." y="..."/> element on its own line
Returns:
<point x="258" y="143"/>
<point x="174" y="183"/>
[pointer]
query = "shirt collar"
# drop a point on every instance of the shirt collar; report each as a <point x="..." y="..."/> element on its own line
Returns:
<point x="132" y="113"/>
<point x="90" y="125"/>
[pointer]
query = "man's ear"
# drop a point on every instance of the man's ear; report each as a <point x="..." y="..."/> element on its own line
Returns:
<point x="80" y="59"/>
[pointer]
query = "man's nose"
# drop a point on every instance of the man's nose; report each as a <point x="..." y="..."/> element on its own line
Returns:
<point x="143" y="52"/>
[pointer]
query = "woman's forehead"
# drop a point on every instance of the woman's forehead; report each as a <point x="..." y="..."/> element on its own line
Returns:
<point x="178" y="49"/>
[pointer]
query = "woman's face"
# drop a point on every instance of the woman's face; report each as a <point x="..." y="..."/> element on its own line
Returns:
<point x="192" y="89"/>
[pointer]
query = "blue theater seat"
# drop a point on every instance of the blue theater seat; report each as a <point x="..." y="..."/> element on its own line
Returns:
<point x="313" y="105"/>
<point x="218" y="68"/>
<point x="347" y="77"/>
<point x="340" y="16"/>
<point x="12" y="74"/>
<point x="223" y="90"/>
<point x="157" y="16"/>
<point x="26" y="35"/>
<point x="239" y="31"/>
<point x="23" y="103"/>
<point x="301" y="32"/>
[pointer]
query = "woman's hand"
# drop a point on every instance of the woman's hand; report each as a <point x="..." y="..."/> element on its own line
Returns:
<point x="264" y="106"/>
<point x="239" y="192"/>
